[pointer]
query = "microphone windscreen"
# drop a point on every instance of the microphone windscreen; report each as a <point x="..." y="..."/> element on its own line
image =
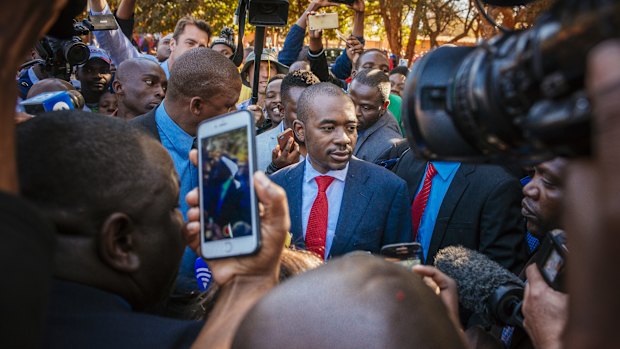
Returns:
<point x="476" y="275"/>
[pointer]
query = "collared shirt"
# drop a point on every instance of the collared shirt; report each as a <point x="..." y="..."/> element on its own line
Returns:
<point x="334" y="199"/>
<point x="164" y="66"/>
<point x="178" y="143"/>
<point x="441" y="183"/>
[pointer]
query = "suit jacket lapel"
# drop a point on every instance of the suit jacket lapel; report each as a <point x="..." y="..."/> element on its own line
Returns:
<point x="355" y="200"/>
<point x="295" y="179"/>
<point x="380" y="123"/>
<point x="453" y="195"/>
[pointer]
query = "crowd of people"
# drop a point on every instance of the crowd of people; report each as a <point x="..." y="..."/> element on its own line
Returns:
<point x="105" y="231"/>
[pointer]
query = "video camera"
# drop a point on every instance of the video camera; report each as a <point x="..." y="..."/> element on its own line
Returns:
<point x="504" y="305"/>
<point x="59" y="56"/>
<point x="518" y="97"/>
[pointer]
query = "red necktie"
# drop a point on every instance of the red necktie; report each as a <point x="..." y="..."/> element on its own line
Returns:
<point x="419" y="203"/>
<point x="316" y="231"/>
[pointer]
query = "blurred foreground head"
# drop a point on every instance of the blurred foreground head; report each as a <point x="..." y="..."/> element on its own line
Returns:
<point x="356" y="301"/>
<point x="112" y="194"/>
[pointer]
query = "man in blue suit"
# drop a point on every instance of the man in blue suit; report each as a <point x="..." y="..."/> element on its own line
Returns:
<point x="338" y="203"/>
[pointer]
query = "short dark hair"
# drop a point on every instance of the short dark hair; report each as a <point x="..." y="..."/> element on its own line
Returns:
<point x="359" y="59"/>
<point x="375" y="78"/>
<point x="82" y="164"/>
<point x="276" y="77"/>
<point x="312" y="94"/>
<point x="401" y="69"/>
<point x="298" y="78"/>
<point x="191" y="20"/>
<point x="202" y="72"/>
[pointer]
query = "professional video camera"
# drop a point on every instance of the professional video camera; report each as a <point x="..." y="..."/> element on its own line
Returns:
<point x="261" y="14"/>
<point x="59" y="56"/>
<point x="516" y="97"/>
<point x="486" y="288"/>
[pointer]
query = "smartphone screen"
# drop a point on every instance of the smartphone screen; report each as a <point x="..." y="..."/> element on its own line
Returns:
<point x="229" y="225"/>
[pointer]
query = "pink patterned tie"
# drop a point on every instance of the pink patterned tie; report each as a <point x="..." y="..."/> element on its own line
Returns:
<point x="316" y="230"/>
<point x="419" y="203"/>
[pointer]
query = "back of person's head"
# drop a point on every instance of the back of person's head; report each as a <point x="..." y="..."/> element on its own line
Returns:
<point x="49" y="85"/>
<point x="298" y="78"/>
<point x="203" y="72"/>
<point x="313" y="95"/>
<point x="191" y="20"/>
<point x="292" y="263"/>
<point x="356" y="301"/>
<point x="111" y="191"/>
<point x="374" y="78"/>
<point x="401" y="69"/>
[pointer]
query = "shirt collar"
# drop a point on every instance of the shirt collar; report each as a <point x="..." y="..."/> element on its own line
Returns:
<point x="445" y="169"/>
<point x="311" y="173"/>
<point x="181" y="140"/>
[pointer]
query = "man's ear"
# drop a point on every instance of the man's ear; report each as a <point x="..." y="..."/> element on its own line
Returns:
<point x="173" y="44"/>
<point x="298" y="128"/>
<point x="196" y="105"/>
<point x="118" y="88"/>
<point x="117" y="245"/>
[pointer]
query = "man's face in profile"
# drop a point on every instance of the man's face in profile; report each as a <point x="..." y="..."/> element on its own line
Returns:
<point x="543" y="197"/>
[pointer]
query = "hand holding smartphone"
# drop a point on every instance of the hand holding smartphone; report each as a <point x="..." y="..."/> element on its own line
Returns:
<point x="284" y="137"/>
<point x="407" y="254"/>
<point x="229" y="221"/>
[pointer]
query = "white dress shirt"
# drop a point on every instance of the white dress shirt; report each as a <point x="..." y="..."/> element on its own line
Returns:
<point x="334" y="199"/>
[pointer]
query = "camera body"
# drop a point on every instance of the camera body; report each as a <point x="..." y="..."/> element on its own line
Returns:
<point x="61" y="55"/>
<point x="268" y="13"/>
<point x="518" y="97"/>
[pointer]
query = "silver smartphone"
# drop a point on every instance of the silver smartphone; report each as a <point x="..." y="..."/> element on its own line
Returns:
<point x="229" y="221"/>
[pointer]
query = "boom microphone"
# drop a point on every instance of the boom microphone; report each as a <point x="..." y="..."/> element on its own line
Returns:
<point x="484" y="286"/>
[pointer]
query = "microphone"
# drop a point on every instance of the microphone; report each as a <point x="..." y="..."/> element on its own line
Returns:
<point x="53" y="101"/>
<point x="77" y="99"/>
<point x="484" y="286"/>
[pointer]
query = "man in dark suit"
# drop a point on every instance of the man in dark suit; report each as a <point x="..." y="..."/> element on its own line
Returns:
<point x="476" y="206"/>
<point x="337" y="203"/>
<point x="119" y="236"/>
<point x="203" y="83"/>
<point x="378" y="130"/>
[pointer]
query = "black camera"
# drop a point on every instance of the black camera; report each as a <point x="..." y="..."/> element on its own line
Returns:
<point x="268" y="13"/>
<point x="504" y="304"/>
<point x="517" y="97"/>
<point x="59" y="56"/>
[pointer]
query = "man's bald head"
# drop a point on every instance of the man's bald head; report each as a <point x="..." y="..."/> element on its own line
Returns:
<point x="353" y="302"/>
<point x="140" y="85"/>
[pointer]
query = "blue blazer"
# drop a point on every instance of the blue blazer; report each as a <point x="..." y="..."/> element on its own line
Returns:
<point x="374" y="212"/>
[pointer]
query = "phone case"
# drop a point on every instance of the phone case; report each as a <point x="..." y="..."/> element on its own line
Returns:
<point x="323" y="21"/>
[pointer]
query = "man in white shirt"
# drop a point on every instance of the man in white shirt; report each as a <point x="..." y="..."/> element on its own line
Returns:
<point x="338" y="203"/>
<point x="189" y="33"/>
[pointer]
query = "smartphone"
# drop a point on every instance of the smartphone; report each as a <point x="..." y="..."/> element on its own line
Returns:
<point x="406" y="254"/>
<point x="323" y="21"/>
<point x="284" y="137"/>
<point x="229" y="222"/>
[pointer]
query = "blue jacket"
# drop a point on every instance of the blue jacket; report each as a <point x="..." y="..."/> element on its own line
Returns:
<point x="374" y="212"/>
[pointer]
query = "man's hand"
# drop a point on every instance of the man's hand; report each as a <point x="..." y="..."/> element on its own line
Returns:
<point x="545" y="311"/>
<point x="275" y="223"/>
<point x="445" y="287"/>
<point x="289" y="156"/>
<point x="354" y="48"/>
<point x="259" y="116"/>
